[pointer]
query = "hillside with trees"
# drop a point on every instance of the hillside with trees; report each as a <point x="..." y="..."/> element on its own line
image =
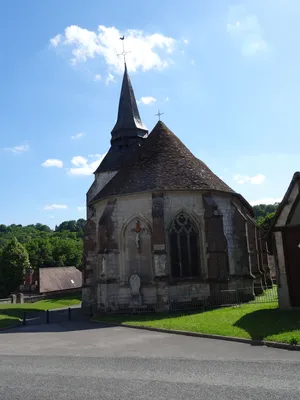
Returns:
<point x="46" y="247"/>
<point x="264" y="214"/>
<point x="37" y="246"/>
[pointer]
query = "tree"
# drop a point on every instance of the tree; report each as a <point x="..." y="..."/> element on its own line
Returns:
<point x="3" y="228"/>
<point x="67" y="252"/>
<point x="42" y="228"/>
<point x="262" y="210"/>
<point x="47" y="247"/>
<point x="265" y="222"/>
<point x="40" y="252"/>
<point x="67" y="226"/>
<point x="14" y="262"/>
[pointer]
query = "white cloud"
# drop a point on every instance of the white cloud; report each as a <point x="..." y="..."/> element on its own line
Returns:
<point x="148" y="51"/>
<point x="258" y="179"/>
<point x="52" y="162"/>
<point x="82" y="167"/>
<point x="77" y="136"/>
<point x="81" y="208"/>
<point x="55" y="207"/>
<point x="185" y="41"/>
<point x="147" y="100"/>
<point x="97" y="77"/>
<point x="254" y="180"/>
<point x="246" y="30"/>
<point x="55" y="40"/>
<point x="18" y="149"/>
<point x="95" y="155"/>
<point x="110" y="78"/>
<point x="267" y="200"/>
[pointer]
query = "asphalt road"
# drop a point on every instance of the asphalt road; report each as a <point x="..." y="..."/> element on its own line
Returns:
<point x="84" y="361"/>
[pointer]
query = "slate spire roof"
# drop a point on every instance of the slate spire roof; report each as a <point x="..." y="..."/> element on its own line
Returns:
<point x="163" y="162"/>
<point x="129" y="131"/>
<point x="129" y="121"/>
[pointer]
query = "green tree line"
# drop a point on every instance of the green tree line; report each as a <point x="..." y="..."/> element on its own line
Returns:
<point x="37" y="246"/>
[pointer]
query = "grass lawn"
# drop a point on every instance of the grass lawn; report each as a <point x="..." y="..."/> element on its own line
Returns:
<point x="11" y="313"/>
<point x="254" y="321"/>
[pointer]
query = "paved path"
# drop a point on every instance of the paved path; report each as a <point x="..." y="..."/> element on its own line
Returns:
<point x="77" y="360"/>
<point x="57" y="315"/>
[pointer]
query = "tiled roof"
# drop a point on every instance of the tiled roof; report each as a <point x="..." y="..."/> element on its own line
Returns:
<point x="163" y="162"/>
<point x="59" y="278"/>
<point x="116" y="157"/>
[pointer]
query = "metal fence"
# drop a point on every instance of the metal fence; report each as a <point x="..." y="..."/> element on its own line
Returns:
<point x="28" y="317"/>
<point x="188" y="301"/>
<point x="225" y="298"/>
<point x="126" y="304"/>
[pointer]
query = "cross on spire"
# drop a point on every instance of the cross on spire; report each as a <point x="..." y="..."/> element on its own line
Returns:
<point x="123" y="52"/>
<point x="159" y="114"/>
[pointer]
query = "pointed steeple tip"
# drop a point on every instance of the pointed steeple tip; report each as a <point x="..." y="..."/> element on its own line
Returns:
<point x="129" y="122"/>
<point x="160" y="126"/>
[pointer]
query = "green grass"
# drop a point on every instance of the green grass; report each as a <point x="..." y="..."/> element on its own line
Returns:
<point x="11" y="313"/>
<point x="252" y="321"/>
<point x="269" y="295"/>
<point x="7" y="320"/>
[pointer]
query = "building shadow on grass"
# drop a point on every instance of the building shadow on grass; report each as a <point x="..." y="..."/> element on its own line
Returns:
<point x="263" y="323"/>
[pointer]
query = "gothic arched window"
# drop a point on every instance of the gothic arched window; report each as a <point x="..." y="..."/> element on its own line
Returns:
<point x="184" y="251"/>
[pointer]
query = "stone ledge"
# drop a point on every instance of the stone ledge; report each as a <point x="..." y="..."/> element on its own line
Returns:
<point x="252" y="342"/>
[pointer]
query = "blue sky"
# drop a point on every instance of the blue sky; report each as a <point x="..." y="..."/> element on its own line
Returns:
<point x="225" y="74"/>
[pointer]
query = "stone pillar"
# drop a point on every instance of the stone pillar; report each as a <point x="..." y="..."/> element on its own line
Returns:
<point x="159" y="243"/>
<point x="268" y="280"/>
<point x="254" y="257"/>
<point x="20" y="298"/>
<point x="162" y="303"/>
<point x="89" y="248"/>
<point x="243" y="276"/>
<point x="28" y="277"/>
<point x="216" y="243"/>
<point x="14" y="298"/>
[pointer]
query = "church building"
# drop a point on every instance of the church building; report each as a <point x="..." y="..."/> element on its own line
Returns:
<point x="161" y="226"/>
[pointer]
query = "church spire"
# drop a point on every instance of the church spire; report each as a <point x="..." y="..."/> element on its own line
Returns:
<point x="129" y="122"/>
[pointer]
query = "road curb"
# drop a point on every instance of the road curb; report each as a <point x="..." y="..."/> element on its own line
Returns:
<point x="252" y="342"/>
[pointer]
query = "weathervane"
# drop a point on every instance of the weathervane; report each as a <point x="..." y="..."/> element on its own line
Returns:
<point x="123" y="52"/>
<point x="159" y="114"/>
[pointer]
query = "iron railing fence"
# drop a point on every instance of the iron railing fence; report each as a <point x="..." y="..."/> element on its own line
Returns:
<point x="126" y="304"/>
<point x="189" y="300"/>
<point x="27" y="316"/>
<point x="267" y="296"/>
<point x="223" y="298"/>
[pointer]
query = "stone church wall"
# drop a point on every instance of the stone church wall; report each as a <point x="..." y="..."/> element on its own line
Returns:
<point x="111" y="269"/>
